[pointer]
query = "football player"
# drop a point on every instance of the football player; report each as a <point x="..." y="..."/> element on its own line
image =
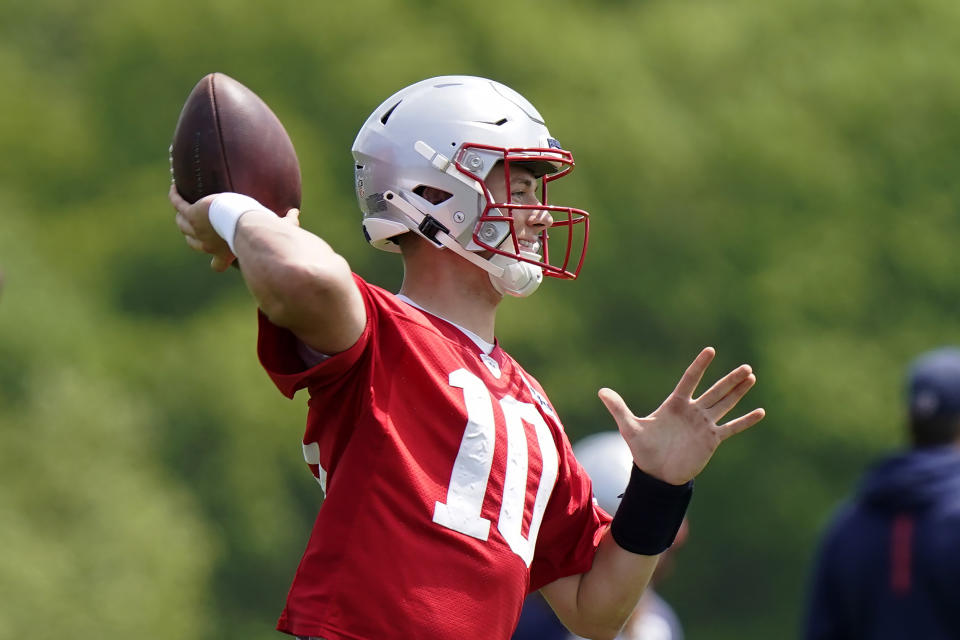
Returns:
<point x="451" y="489"/>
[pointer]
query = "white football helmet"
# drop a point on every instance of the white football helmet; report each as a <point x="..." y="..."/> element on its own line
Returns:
<point x="447" y="133"/>
<point x="606" y="458"/>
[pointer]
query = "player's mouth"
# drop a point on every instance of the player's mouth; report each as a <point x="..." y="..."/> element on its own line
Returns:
<point x="529" y="245"/>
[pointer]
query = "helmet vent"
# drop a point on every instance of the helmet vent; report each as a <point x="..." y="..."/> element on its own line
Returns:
<point x="386" y="116"/>
<point x="432" y="194"/>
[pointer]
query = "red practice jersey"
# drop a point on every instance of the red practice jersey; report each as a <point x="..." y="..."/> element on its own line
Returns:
<point x="451" y="488"/>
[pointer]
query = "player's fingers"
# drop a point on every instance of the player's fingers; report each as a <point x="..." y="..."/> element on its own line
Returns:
<point x="184" y="225"/>
<point x="740" y="424"/>
<point x="176" y="199"/>
<point x="722" y="387"/>
<point x="694" y="373"/>
<point x="193" y="243"/>
<point x="616" y="406"/>
<point x="729" y="401"/>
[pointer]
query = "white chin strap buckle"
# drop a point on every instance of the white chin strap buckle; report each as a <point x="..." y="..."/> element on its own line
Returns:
<point x="519" y="278"/>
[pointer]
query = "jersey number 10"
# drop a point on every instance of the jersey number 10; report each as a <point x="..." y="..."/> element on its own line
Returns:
<point x="471" y="469"/>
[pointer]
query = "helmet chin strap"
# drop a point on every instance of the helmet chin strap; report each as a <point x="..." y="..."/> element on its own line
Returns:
<point x="507" y="274"/>
<point x="519" y="279"/>
<point x="440" y="237"/>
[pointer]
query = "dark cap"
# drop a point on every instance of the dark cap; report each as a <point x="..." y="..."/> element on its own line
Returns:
<point x="933" y="384"/>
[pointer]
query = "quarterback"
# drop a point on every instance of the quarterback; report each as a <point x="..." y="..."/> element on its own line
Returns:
<point x="451" y="488"/>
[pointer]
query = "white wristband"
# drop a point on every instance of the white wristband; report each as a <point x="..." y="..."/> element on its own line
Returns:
<point x="225" y="211"/>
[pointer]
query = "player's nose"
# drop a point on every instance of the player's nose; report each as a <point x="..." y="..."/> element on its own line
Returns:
<point x="539" y="219"/>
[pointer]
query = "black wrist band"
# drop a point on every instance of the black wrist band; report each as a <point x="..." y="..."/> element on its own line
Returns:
<point x="650" y="514"/>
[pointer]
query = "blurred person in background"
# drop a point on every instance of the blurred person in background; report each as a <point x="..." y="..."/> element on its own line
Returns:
<point x="607" y="460"/>
<point x="451" y="487"/>
<point x="889" y="563"/>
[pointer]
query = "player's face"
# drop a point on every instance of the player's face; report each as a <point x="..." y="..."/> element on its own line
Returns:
<point x="523" y="189"/>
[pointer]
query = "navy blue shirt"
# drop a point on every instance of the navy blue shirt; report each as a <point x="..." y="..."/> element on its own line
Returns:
<point x="889" y="564"/>
<point x="538" y="622"/>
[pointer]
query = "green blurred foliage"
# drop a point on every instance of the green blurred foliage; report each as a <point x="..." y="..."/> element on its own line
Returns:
<point x="773" y="179"/>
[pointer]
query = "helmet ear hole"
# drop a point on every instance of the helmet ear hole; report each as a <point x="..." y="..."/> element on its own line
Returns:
<point x="432" y="194"/>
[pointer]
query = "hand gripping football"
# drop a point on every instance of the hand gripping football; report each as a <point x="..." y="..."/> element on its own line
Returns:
<point x="228" y="139"/>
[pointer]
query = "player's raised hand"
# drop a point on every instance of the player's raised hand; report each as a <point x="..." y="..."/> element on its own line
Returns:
<point x="675" y="442"/>
<point x="193" y="220"/>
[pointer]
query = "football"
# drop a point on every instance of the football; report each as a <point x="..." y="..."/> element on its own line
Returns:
<point x="228" y="139"/>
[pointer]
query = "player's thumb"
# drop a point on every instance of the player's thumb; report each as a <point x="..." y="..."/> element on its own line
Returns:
<point x="292" y="217"/>
<point x="220" y="263"/>
<point x="616" y="406"/>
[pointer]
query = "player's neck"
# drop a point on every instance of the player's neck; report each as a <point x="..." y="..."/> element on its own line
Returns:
<point x="450" y="287"/>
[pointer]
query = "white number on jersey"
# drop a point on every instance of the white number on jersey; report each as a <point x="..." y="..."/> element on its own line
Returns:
<point x="471" y="469"/>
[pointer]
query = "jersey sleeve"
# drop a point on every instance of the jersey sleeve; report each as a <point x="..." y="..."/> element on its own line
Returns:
<point x="278" y="353"/>
<point x="573" y="525"/>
